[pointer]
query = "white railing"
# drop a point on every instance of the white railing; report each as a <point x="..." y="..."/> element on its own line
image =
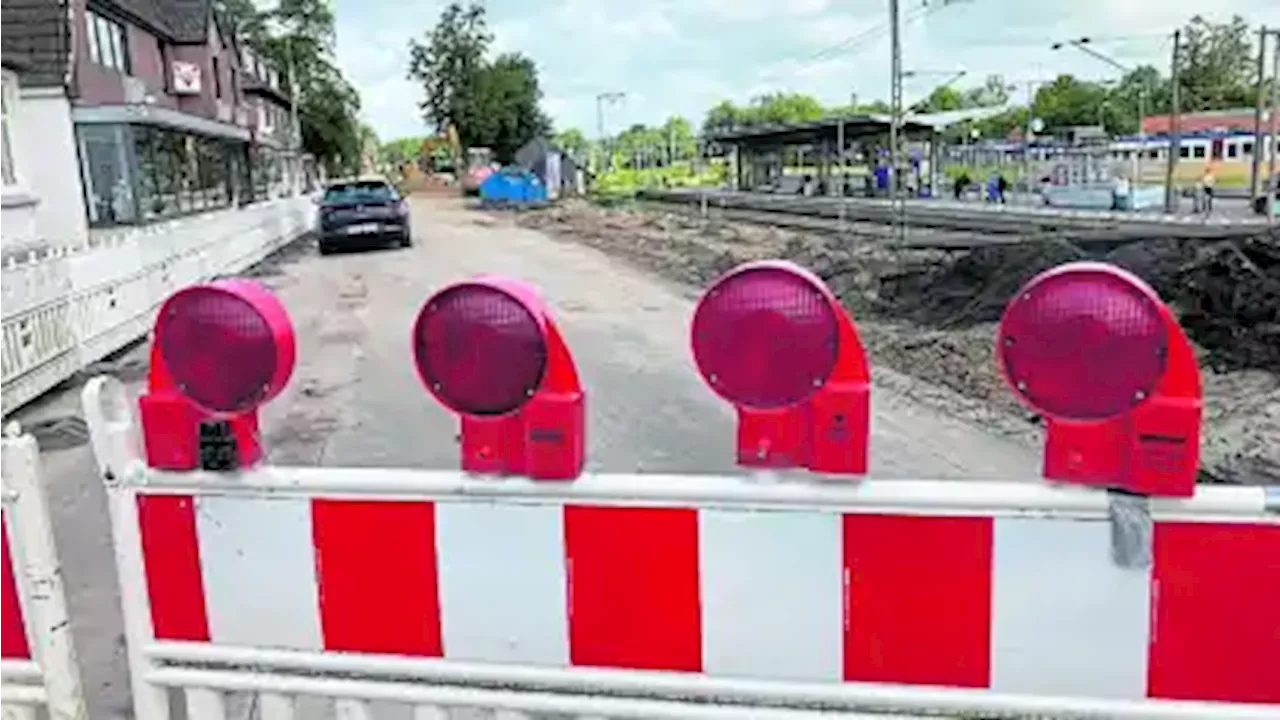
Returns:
<point x="39" y="670"/>
<point x="67" y="308"/>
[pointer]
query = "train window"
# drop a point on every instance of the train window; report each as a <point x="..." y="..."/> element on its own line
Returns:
<point x="1185" y="151"/>
<point x="1246" y="147"/>
<point x="1197" y="151"/>
<point x="1233" y="151"/>
<point x="1153" y="154"/>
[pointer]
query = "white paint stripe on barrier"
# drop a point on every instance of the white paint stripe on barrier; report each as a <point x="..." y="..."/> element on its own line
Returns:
<point x="258" y="565"/>
<point x="779" y="574"/>
<point x="483" y="572"/>
<point x="1096" y="643"/>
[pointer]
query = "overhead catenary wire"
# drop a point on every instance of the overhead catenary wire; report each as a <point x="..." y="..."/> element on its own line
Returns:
<point x="848" y="46"/>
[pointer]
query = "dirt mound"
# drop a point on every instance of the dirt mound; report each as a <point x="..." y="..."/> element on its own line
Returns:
<point x="931" y="313"/>
<point x="1228" y="298"/>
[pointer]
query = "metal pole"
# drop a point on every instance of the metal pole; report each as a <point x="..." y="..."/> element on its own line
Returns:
<point x="600" y="131"/>
<point x="1175" y="138"/>
<point x="895" y="118"/>
<point x="1026" y="136"/>
<point x="1274" y="122"/>
<point x="840" y="156"/>
<point x="1142" y="136"/>
<point x="297" y="125"/>
<point x="1256" y="167"/>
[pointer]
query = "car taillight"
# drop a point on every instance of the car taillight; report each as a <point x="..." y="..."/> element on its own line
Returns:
<point x="765" y="338"/>
<point x="1083" y="345"/>
<point x="228" y="345"/>
<point x="479" y="350"/>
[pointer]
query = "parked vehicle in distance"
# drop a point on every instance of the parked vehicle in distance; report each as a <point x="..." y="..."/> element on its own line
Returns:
<point x="363" y="213"/>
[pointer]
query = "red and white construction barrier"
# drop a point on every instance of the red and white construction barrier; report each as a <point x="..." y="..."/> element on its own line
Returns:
<point x="1120" y="590"/>
<point x="37" y="660"/>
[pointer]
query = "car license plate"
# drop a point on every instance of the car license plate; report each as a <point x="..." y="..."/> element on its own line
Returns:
<point x="362" y="229"/>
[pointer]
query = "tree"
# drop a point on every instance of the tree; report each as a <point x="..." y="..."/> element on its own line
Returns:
<point x="501" y="107"/>
<point x="722" y="117"/>
<point x="447" y="64"/>
<point x="1140" y="91"/>
<point x="1070" y="101"/>
<point x="678" y="138"/>
<point x="301" y="33"/>
<point x="573" y="142"/>
<point x="943" y="98"/>
<point x="783" y="109"/>
<point x="993" y="91"/>
<point x="491" y="104"/>
<point x="400" y="151"/>
<point x="1217" y="69"/>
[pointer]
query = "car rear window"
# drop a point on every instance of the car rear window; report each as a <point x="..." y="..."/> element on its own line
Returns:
<point x="356" y="193"/>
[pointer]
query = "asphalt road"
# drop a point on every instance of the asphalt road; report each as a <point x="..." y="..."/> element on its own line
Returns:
<point x="355" y="399"/>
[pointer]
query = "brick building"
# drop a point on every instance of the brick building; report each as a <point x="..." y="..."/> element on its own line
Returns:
<point x="135" y="111"/>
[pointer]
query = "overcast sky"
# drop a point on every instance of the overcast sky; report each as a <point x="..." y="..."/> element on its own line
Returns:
<point x="682" y="56"/>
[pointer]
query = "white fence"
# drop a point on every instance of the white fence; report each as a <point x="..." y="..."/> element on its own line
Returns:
<point x="39" y="668"/>
<point x="65" y="310"/>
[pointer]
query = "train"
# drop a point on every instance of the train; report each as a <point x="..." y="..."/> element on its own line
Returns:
<point x="1230" y="152"/>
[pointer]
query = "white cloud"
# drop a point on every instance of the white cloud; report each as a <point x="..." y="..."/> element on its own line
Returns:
<point x="682" y="56"/>
<point x="755" y="10"/>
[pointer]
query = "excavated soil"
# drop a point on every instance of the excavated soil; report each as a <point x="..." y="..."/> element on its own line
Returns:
<point x="931" y="314"/>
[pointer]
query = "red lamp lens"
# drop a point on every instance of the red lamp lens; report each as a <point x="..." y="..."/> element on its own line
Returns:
<point x="219" y="349"/>
<point x="765" y="337"/>
<point x="1083" y="345"/>
<point x="479" y="349"/>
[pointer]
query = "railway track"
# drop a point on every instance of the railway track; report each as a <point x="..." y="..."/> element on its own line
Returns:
<point x="954" y="226"/>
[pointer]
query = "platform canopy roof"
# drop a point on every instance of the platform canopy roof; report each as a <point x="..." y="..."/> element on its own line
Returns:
<point x="855" y="127"/>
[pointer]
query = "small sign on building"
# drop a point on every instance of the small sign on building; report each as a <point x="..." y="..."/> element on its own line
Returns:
<point x="186" y="78"/>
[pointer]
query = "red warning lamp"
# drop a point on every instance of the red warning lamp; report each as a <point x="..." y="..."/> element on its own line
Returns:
<point x="488" y="350"/>
<point x="773" y="340"/>
<point x="1095" y="351"/>
<point x="219" y="351"/>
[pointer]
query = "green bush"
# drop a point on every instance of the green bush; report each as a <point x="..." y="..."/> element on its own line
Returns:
<point x="626" y="182"/>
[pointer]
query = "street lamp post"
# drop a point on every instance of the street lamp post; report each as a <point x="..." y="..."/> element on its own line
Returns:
<point x="1082" y="44"/>
<point x="613" y="96"/>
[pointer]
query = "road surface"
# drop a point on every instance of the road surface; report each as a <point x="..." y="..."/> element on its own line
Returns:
<point x="355" y="399"/>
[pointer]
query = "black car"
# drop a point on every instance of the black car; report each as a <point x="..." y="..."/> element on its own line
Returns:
<point x="363" y="213"/>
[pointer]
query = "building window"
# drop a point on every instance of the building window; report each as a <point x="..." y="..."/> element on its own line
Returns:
<point x="141" y="173"/>
<point x="217" y="79"/>
<point x="8" y="98"/>
<point x="108" y="45"/>
<point x="105" y="169"/>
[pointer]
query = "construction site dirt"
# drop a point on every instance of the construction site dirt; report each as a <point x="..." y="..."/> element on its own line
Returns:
<point x="931" y="312"/>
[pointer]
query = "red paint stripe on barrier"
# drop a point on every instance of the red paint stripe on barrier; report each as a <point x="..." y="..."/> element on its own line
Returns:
<point x="918" y="599"/>
<point x="376" y="569"/>
<point x="1216" y="613"/>
<point x="633" y="588"/>
<point x="13" y="644"/>
<point x="171" y="556"/>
